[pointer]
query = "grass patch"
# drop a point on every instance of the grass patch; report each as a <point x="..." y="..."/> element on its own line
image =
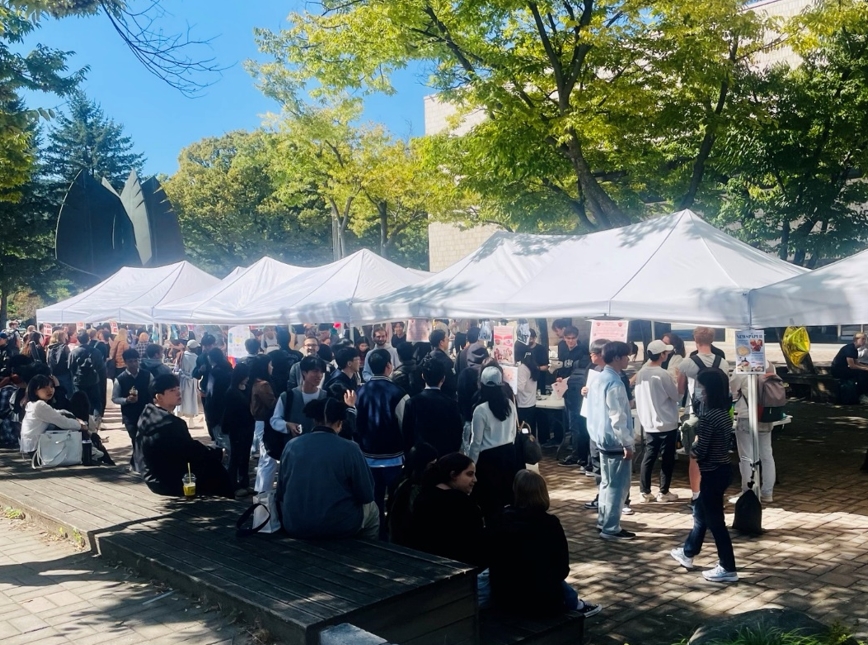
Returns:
<point x="837" y="635"/>
<point x="13" y="513"/>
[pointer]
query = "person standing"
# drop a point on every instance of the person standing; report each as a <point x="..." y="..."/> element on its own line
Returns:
<point x="379" y="417"/>
<point x="399" y="334"/>
<point x="238" y="423"/>
<point x="380" y="342"/>
<point x="525" y="396"/>
<point x="439" y="347"/>
<point x="576" y="361"/>
<point x="431" y="417"/>
<point x="311" y="348"/>
<point x="349" y="362"/>
<point x="189" y="386"/>
<point x="262" y="404"/>
<point x="131" y="391"/>
<point x="611" y="427"/>
<point x="87" y="366"/>
<point x="657" y="406"/>
<point x="408" y="375"/>
<point x="58" y="360"/>
<point x="473" y="343"/>
<point x="711" y="452"/>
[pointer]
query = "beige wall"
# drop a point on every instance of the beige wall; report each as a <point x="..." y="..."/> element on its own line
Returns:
<point x="447" y="243"/>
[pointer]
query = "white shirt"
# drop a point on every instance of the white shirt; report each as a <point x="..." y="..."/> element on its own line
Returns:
<point x="487" y="431"/>
<point x="656" y="399"/>
<point x="38" y="415"/>
<point x="526" y="394"/>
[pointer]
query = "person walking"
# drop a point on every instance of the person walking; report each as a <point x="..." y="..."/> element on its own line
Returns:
<point x="657" y="406"/>
<point x="711" y="452"/>
<point x="238" y="423"/>
<point x="611" y="427"/>
<point x="439" y="347"/>
<point x="87" y="366"/>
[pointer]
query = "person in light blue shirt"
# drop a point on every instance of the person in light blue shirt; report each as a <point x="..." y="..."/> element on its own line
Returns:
<point x="610" y="425"/>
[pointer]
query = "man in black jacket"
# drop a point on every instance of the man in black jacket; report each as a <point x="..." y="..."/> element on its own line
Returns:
<point x="431" y="416"/>
<point x="131" y="391"/>
<point x="439" y="345"/>
<point x="575" y="368"/>
<point x="87" y="366"/>
<point x="166" y="447"/>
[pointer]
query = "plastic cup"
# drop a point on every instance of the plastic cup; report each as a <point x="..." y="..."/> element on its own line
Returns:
<point x="189" y="486"/>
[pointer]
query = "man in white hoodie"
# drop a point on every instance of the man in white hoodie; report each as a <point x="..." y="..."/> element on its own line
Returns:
<point x="657" y="406"/>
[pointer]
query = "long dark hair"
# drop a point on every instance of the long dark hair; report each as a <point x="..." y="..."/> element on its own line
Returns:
<point x="37" y="383"/>
<point x="241" y="372"/>
<point x="530" y="364"/>
<point x="497" y="401"/>
<point x="441" y="471"/>
<point x="259" y="368"/>
<point x="326" y="411"/>
<point x="678" y="343"/>
<point x="716" y="385"/>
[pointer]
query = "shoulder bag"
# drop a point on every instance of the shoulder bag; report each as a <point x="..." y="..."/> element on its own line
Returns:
<point x="57" y="448"/>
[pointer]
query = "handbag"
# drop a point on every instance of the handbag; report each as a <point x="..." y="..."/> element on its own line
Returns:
<point x="748" y="517"/>
<point x="261" y="517"/>
<point x="57" y="448"/>
<point x="529" y="450"/>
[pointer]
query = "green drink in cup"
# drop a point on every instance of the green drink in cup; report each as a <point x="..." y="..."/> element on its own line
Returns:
<point x="189" y="484"/>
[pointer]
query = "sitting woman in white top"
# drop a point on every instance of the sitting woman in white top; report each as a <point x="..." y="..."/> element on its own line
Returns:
<point x="39" y="415"/>
<point x="528" y="375"/>
<point x="492" y="444"/>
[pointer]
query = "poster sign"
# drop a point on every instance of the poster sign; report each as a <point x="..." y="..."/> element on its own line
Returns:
<point x="750" y="351"/>
<point x="113" y="324"/>
<point x="593" y="375"/>
<point x="46" y="329"/>
<point x="510" y="376"/>
<point x="237" y="336"/>
<point x="79" y="326"/>
<point x="418" y="330"/>
<point x="611" y="330"/>
<point x="504" y="345"/>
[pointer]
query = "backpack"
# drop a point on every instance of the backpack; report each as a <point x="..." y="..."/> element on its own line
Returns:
<point x="276" y="441"/>
<point x="748" y="518"/>
<point x="772" y="399"/>
<point x="87" y="374"/>
<point x="696" y="404"/>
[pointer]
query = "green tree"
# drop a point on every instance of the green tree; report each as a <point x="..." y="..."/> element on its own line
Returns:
<point x="86" y="140"/>
<point x="233" y="209"/>
<point x="596" y="107"/>
<point x="794" y="166"/>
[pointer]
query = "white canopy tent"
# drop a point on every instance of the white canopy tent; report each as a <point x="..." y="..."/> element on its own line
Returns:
<point x="129" y="295"/>
<point x="831" y="295"/>
<point x="229" y="301"/>
<point x="676" y="268"/>
<point x="329" y="293"/>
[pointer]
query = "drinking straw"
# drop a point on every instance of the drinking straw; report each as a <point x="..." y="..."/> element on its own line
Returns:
<point x="189" y="472"/>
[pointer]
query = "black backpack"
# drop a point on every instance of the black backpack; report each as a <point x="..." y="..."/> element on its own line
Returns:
<point x="748" y="517"/>
<point x="696" y="403"/>
<point x="87" y="374"/>
<point x="276" y="441"/>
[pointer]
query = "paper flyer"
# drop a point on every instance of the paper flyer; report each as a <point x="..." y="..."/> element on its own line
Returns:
<point x="593" y="375"/>
<point x="504" y="345"/>
<point x="750" y="351"/>
<point x="611" y="330"/>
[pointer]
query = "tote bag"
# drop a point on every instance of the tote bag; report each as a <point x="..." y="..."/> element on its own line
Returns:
<point x="58" y="448"/>
<point x="261" y="517"/>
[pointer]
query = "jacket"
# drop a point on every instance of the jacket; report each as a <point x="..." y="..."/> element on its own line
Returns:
<point x="450" y="385"/>
<point x="408" y="376"/>
<point x="610" y="423"/>
<point x="296" y="411"/>
<point x="448" y="523"/>
<point x="155" y="366"/>
<point x="130" y="412"/>
<point x="432" y="417"/>
<point x="79" y="359"/>
<point x="58" y="358"/>
<point x="237" y="421"/>
<point x="379" y="415"/>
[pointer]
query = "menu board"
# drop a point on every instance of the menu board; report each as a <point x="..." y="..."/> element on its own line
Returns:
<point x="611" y="330"/>
<point x="504" y="345"/>
<point x="750" y="351"/>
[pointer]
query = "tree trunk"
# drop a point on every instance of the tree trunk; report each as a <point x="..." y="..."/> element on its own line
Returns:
<point x="605" y="210"/>
<point x="4" y="306"/>
<point x="382" y="209"/>
<point x="783" y="251"/>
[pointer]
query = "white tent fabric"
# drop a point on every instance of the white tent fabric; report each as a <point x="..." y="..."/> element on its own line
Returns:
<point x="229" y="301"/>
<point x="328" y="293"/>
<point x="129" y="295"/>
<point x="675" y="268"/>
<point x="831" y="295"/>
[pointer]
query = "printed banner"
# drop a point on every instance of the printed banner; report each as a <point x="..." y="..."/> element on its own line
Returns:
<point x="46" y="329"/>
<point x="611" y="330"/>
<point x="114" y="326"/>
<point x="418" y="330"/>
<point x="235" y="346"/>
<point x="750" y="351"/>
<point x="504" y="345"/>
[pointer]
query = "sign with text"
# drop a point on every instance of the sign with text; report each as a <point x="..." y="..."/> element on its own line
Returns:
<point x="113" y="324"/>
<point x="235" y="345"/>
<point x="750" y="351"/>
<point x="504" y="345"/>
<point x="611" y="330"/>
<point x="46" y="329"/>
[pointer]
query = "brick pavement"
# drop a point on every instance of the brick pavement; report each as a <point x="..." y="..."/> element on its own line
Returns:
<point x="813" y="555"/>
<point x="53" y="594"/>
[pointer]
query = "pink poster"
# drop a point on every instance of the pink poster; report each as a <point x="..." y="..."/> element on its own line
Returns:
<point x="504" y="345"/>
<point x="611" y="330"/>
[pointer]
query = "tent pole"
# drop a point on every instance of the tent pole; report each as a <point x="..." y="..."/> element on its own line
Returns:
<point x="753" y="416"/>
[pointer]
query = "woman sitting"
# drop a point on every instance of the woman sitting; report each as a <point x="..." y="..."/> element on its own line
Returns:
<point x="530" y="556"/>
<point x="402" y="501"/>
<point x="39" y="415"/>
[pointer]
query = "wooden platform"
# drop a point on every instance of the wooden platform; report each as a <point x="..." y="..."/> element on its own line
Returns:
<point x="500" y="628"/>
<point x="292" y="587"/>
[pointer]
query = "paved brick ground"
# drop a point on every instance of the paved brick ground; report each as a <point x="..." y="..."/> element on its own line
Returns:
<point x="52" y="594"/>
<point x="813" y="556"/>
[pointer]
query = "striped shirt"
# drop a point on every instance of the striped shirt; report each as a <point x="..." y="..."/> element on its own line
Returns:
<point x="713" y="436"/>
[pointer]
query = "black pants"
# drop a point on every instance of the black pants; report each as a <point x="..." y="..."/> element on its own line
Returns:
<point x="239" y="458"/>
<point x="528" y="416"/>
<point x="578" y="426"/>
<point x="708" y="516"/>
<point x="93" y="396"/>
<point x="860" y="376"/>
<point x="135" y="458"/>
<point x="655" y="443"/>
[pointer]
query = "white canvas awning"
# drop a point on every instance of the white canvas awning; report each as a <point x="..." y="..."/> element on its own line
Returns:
<point x="831" y="295"/>
<point x="129" y="295"/>
<point x="230" y="300"/>
<point x="676" y="268"/>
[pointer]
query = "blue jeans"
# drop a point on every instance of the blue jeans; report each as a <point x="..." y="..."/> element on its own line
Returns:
<point x="571" y="596"/>
<point x="384" y="480"/>
<point x="708" y="516"/>
<point x="615" y="474"/>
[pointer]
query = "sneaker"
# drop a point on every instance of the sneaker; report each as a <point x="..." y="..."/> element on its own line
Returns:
<point x="591" y="473"/>
<point x="241" y="493"/>
<point x="587" y="609"/>
<point x="621" y="535"/>
<point x="768" y="499"/>
<point x="667" y="497"/>
<point x="592" y="505"/>
<point x="719" y="574"/>
<point x="570" y="461"/>
<point x="648" y="497"/>
<point x="683" y="560"/>
<point x="627" y="511"/>
<point x="734" y="499"/>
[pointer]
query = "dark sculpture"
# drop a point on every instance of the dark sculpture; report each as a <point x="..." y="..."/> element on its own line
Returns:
<point x="99" y="231"/>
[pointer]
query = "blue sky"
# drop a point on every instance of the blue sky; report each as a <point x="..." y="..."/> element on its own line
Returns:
<point x="160" y="119"/>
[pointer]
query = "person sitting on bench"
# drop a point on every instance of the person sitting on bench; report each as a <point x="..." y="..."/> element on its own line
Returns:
<point x="846" y="366"/>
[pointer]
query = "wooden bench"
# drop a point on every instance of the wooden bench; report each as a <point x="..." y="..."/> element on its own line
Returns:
<point x="501" y="628"/>
<point x="823" y="388"/>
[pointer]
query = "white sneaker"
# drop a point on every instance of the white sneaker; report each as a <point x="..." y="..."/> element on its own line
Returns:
<point x="767" y="498"/>
<point x="667" y="497"/>
<point x="733" y="500"/>
<point x="863" y="399"/>
<point x="627" y="511"/>
<point x="719" y="574"/>
<point x="648" y="497"/>
<point x="682" y="559"/>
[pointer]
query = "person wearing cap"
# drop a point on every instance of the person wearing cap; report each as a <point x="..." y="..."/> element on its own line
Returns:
<point x="657" y="406"/>
<point x="492" y="444"/>
<point x="189" y="385"/>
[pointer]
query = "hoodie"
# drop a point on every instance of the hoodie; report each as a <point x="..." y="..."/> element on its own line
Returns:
<point x="408" y="376"/>
<point x="155" y="366"/>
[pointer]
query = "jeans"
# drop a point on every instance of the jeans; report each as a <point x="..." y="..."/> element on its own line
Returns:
<point x="384" y="480"/>
<point x="766" y="474"/>
<point x="258" y="431"/>
<point x="577" y="426"/>
<point x="655" y="443"/>
<point x="571" y="596"/>
<point x="615" y="474"/>
<point x="708" y="516"/>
